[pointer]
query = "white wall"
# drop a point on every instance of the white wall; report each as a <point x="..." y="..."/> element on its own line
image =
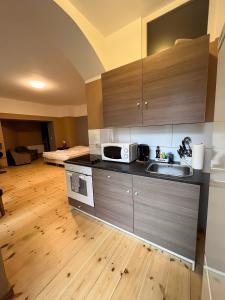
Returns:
<point x="129" y="43"/>
<point x="124" y="45"/>
<point x="216" y="18"/>
<point x="94" y="37"/>
<point x="214" y="274"/>
<point x="168" y="137"/>
<point x="12" y="106"/>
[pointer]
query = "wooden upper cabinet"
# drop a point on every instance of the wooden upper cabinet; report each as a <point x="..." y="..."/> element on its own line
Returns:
<point x="122" y="96"/>
<point x="169" y="87"/>
<point x="175" y="84"/>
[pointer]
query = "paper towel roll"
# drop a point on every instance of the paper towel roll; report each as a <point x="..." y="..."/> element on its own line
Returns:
<point x="198" y="156"/>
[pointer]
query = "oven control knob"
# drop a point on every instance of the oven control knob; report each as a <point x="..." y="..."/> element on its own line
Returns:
<point x="125" y="150"/>
<point x="126" y="156"/>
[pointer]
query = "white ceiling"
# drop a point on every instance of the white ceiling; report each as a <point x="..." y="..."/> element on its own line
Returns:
<point x="110" y="15"/>
<point x="38" y="41"/>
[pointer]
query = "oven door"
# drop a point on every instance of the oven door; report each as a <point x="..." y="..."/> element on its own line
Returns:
<point x="80" y="187"/>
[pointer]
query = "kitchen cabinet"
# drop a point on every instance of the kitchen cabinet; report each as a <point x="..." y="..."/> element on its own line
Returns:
<point x="166" y="213"/>
<point x="113" y="198"/>
<point x="175" y="84"/>
<point x="169" y="87"/>
<point x="122" y="96"/>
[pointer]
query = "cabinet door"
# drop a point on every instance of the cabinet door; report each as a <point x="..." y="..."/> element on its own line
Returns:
<point x="166" y="213"/>
<point x="113" y="198"/>
<point x="175" y="84"/>
<point x="122" y="96"/>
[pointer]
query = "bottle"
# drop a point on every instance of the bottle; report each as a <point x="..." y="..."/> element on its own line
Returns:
<point x="157" y="152"/>
<point x="170" y="158"/>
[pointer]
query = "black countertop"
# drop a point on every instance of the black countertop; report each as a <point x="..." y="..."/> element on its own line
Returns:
<point x="136" y="168"/>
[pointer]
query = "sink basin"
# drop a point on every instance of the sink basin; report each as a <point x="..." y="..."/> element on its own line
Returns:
<point x="169" y="169"/>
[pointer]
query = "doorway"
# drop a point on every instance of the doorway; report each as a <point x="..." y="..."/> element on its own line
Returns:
<point x="26" y="136"/>
<point x="48" y="138"/>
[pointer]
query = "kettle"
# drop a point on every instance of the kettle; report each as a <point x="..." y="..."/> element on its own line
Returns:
<point x="143" y="152"/>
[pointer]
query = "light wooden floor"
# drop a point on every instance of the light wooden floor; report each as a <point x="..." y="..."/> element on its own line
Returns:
<point x="51" y="253"/>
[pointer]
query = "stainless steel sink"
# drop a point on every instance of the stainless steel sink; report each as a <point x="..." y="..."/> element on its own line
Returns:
<point x="169" y="169"/>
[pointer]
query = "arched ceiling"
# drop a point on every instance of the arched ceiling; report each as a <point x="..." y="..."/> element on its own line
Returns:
<point x="39" y="41"/>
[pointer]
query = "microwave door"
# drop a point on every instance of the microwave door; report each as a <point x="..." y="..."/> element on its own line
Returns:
<point x="113" y="152"/>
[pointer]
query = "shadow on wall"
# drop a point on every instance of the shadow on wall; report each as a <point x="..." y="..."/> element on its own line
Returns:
<point x="73" y="130"/>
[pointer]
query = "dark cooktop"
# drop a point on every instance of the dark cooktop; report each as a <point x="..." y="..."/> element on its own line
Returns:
<point x="89" y="159"/>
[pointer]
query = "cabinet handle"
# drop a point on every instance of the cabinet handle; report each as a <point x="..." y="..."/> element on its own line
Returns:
<point x="138" y="104"/>
<point x="79" y="206"/>
<point x="128" y="191"/>
<point x="109" y="176"/>
<point x="146" y="103"/>
<point x="136" y="193"/>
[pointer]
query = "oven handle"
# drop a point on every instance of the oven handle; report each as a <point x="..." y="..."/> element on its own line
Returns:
<point x="80" y="175"/>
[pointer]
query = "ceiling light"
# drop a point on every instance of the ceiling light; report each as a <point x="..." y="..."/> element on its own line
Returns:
<point x="37" y="84"/>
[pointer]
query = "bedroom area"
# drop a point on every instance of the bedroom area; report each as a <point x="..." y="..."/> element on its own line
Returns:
<point x="51" y="141"/>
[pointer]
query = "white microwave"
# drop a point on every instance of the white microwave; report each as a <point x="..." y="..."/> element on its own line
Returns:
<point x="119" y="152"/>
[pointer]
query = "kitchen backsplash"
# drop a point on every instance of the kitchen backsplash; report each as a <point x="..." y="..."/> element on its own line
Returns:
<point x="168" y="137"/>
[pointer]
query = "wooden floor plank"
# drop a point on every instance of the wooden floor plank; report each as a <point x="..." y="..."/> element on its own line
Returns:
<point x="82" y="283"/>
<point x="133" y="275"/>
<point x="111" y="275"/>
<point x="155" y="282"/>
<point x="39" y="245"/>
<point x="178" y="285"/>
<point x="36" y="276"/>
<point x="51" y="253"/>
<point x="65" y="275"/>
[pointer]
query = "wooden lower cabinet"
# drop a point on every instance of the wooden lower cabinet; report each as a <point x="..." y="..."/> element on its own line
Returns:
<point x="166" y="213"/>
<point x="113" y="198"/>
<point x="161" y="211"/>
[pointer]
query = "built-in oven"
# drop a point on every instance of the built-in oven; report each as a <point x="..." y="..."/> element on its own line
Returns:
<point x="79" y="183"/>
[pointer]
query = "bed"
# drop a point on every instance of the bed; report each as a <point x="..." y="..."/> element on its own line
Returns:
<point x="59" y="156"/>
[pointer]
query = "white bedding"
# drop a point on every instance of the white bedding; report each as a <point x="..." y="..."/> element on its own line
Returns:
<point x="61" y="155"/>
